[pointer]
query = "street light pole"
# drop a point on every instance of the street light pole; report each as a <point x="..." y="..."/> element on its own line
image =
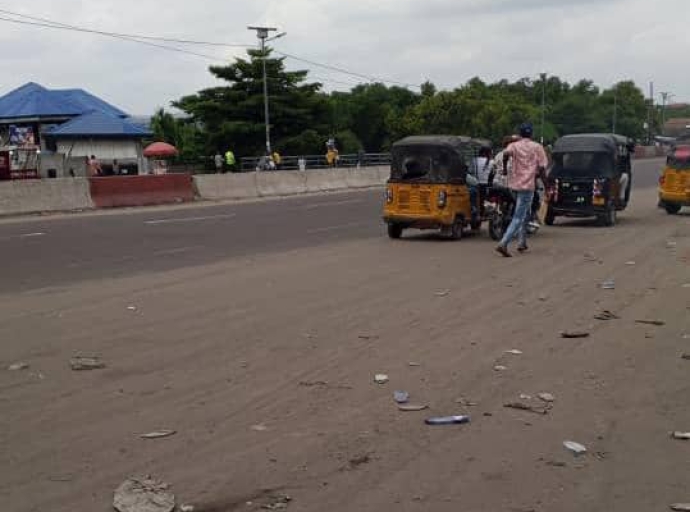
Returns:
<point x="262" y="33"/>
<point x="615" y="109"/>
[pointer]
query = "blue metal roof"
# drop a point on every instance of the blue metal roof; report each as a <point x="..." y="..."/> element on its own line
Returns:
<point x="35" y="101"/>
<point x="98" y="124"/>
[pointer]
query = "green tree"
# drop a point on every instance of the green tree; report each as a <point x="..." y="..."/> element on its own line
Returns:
<point x="625" y="105"/>
<point x="232" y="116"/>
<point x="176" y="131"/>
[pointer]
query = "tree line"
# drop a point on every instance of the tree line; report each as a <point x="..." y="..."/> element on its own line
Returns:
<point x="371" y="117"/>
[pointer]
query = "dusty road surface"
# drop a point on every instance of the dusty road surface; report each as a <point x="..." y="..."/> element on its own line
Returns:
<point x="263" y="361"/>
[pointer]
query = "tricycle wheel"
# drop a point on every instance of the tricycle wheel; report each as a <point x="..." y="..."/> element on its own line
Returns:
<point x="456" y="230"/>
<point x="610" y="217"/>
<point x="672" y="209"/>
<point x="496" y="230"/>
<point x="395" y="231"/>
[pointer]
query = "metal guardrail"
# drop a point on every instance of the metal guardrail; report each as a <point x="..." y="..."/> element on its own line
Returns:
<point x="293" y="163"/>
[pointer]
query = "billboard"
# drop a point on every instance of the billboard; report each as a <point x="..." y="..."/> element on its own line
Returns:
<point x="22" y="136"/>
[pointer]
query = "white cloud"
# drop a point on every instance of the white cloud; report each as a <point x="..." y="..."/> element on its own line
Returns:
<point x="446" y="41"/>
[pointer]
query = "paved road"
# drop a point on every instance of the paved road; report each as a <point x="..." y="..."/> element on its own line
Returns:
<point x="56" y="252"/>
<point x="263" y="362"/>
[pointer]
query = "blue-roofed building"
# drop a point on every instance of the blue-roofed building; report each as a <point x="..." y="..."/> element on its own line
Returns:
<point x="58" y="129"/>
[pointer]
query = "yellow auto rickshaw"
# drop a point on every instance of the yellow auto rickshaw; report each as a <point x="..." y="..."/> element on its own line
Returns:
<point x="428" y="186"/>
<point x="674" y="183"/>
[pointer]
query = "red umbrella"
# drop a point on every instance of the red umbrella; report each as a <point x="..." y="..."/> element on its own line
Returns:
<point x="160" y="150"/>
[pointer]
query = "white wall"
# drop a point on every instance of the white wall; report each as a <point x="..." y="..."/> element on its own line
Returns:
<point x="104" y="149"/>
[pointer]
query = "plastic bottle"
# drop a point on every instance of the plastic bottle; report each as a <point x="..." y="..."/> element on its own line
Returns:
<point x="448" y="420"/>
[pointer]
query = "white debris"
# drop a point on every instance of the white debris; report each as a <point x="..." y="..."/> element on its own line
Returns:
<point x="546" y="397"/>
<point x="381" y="378"/>
<point x="576" y="448"/>
<point x="143" y="495"/>
<point x="18" y="367"/>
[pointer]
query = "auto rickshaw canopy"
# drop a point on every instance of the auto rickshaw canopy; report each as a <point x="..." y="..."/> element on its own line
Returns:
<point x="433" y="158"/>
<point x="591" y="155"/>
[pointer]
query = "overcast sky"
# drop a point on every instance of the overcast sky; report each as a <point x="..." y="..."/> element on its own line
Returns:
<point x="409" y="41"/>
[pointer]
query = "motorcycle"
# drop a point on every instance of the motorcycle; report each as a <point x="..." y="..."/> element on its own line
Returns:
<point x="500" y="208"/>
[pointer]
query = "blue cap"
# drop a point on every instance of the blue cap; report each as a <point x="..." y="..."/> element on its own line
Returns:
<point x="526" y="130"/>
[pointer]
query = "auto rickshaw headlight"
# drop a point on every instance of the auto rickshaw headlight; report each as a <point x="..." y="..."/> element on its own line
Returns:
<point x="442" y="199"/>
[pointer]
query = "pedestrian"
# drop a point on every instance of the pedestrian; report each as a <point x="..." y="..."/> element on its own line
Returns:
<point x="94" y="166"/>
<point x="528" y="161"/>
<point x="230" y="161"/>
<point x="218" y="162"/>
<point x="277" y="159"/>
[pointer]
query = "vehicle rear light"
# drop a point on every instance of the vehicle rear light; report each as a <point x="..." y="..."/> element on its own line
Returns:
<point x="442" y="199"/>
<point x="597" y="189"/>
<point x="555" y="191"/>
<point x="662" y="180"/>
<point x="389" y="195"/>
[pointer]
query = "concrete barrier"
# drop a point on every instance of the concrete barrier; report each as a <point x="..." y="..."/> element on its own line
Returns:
<point x="148" y="190"/>
<point x="363" y="178"/>
<point x="226" y="186"/>
<point x="384" y="174"/>
<point x="33" y="196"/>
<point x="326" y="180"/>
<point x="280" y="183"/>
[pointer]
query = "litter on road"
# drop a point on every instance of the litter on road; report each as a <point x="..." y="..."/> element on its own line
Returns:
<point x="500" y="368"/>
<point x="18" y="367"/>
<point x="401" y="397"/>
<point x="657" y="323"/>
<point x="412" y="407"/>
<point x="574" y="334"/>
<point x="414" y="365"/>
<point x="160" y="434"/>
<point x="442" y="293"/>
<point x="259" y="428"/>
<point x="466" y="402"/>
<point x="279" y="502"/>
<point x="576" y="448"/>
<point x="529" y="408"/>
<point x="143" y="495"/>
<point x="514" y="352"/>
<point x="381" y="378"/>
<point x="447" y="420"/>
<point x="686" y="357"/>
<point x="682" y="436"/>
<point x="608" y="285"/>
<point x="681" y="507"/>
<point x="546" y="397"/>
<point x="81" y="363"/>
<point x="606" y="315"/>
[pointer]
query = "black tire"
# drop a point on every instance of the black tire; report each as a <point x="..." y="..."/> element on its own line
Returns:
<point x="496" y="227"/>
<point x="476" y="225"/>
<point x="550" y="218"/>
<point x="456" y="230"/>
<point x="672" y="209"/>
<point x="395" y="231"/>
<point x="610" y="218"/>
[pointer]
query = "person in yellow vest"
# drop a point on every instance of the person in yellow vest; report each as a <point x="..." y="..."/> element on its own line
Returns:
<point x="277" y="159"/>
<point x="230" y="161"/>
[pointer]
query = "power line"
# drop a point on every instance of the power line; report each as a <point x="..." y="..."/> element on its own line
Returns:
<point x="147" y="40"/>
<point x="369" y="78"/>
<point x="63" y="26"/>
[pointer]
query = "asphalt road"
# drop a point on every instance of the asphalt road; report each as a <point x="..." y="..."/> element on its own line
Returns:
<point x="256" y="339"/>
<point x="59" y="251"/>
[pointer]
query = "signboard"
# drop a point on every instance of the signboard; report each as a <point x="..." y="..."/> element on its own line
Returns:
<point x="22" y="136"/>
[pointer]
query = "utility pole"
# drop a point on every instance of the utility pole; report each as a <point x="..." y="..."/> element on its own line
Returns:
<point x="665" y="96"/>
<point x="543" y="106"/>
<point x="650" y="112"/>
<point x="262" y="33"/>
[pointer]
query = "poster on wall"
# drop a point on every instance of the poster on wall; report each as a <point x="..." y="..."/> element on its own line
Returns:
<point x="22" y="136"/>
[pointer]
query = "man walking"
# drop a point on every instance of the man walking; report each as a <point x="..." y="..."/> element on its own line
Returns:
<point x="528" y="160"/>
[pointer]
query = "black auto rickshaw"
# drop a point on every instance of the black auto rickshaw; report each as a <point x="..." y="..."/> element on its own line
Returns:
<point x="428" y="185"/>
<point x="591" y="176"/>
